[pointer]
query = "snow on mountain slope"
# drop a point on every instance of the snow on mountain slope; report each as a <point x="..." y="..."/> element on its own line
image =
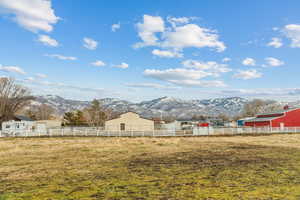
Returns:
<point x="166" y="106"/>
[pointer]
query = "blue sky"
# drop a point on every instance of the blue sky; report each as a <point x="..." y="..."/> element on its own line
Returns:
<point x="139" y="50"/>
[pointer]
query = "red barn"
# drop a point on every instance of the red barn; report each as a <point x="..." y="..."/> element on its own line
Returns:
<point x="284" y="118"/>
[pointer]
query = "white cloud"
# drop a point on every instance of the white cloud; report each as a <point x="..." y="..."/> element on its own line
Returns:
<point x="13" y="69"/>
<point x="30" y="79"/>
<point x="48" y="41"/>
<point x="249" y="62"/>
<point x="275" y="42"/>
<point x="151" y="85"/>
<point x="61" y="57"/>
<point x="115" y="27"/>
<point x="192" y="35"/>
<point x="174" y="21"/>
<point x="33" y="15"/>
<point x="41" y="75"/>
<point x="199" y="83"/>
<point x="273" y="62"/>
<point x="89" y="43"/>
<point x="184" y="77"/>
<point x="153" y="32"/>
<point x="147" y="30"/>
<point x="248" y="74"/>
<point x="292" y="31"/>
<point x="226" y="59"/>
<point x="176" y="74"/>
<point x="167" y="54"/>
<point x="211" y="66"/>
<point x="122" y="65"/>
<point x="98" y="63"/>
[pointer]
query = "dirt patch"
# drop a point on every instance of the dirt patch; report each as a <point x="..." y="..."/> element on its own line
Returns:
<point x="232" y="155"/>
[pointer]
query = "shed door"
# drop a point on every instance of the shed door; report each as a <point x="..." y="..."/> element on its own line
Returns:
<point x="122" y="126"/>
<point x="281" y="126"/>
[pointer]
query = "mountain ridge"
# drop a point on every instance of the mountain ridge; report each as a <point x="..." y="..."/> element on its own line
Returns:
<point x="167" y="106"/>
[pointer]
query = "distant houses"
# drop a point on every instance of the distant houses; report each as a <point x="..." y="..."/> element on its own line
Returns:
<point x="21" y="124"/>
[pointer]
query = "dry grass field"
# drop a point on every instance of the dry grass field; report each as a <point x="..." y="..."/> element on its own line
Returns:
<point x="261" y="167"/>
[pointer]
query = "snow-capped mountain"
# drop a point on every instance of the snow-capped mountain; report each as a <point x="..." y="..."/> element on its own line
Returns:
<point x="167" y="106"/>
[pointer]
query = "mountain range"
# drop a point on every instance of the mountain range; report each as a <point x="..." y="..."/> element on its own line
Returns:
<point x="166" y="106"/>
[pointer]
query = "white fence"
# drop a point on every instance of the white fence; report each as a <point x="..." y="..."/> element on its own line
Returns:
<point x="86" y="131"/>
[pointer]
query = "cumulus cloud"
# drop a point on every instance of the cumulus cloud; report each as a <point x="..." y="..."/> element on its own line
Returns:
<point x="275" y="42"/>
<point x="192" y="35"/>
<point x="115" y="27"/>
<point x="176" y="37"/>
<point x="33" y="15"/>
<point x="89" y="43"/>
<point x="166" y="54"/>
<point x="183" y="77"/>
<point x="174" y="21"/>
<point x="211" y="66"/>
<point x="147" y="30"/>
<point x="292" y="31"/>
<point x="12" y="69"/>
<point x="122" y="65"/>
<point x="273" y="62"/>
<point x="61" y="57"/>
<point x="47" y="40"/>
<point x="98" y="63"/>
<point x="249" y="62"/>
<point x="247" y="74"/>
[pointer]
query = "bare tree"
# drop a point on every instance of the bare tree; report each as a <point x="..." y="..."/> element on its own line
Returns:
<point x="13" y="97"/>
<point x="41" y="112"/>
<point x="259" y="106"/>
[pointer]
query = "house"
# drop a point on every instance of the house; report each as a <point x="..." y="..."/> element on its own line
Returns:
<point x="18" y="124"/>
<point x="129" y="121"/>
<point x="230" y="124"/>
<point x="172" y="126"/>
<point x="288" y="117"/>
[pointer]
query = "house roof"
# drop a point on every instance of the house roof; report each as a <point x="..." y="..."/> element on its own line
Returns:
<point x="23" y="118"/>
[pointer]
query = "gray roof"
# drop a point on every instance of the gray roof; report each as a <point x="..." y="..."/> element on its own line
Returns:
<point x="23" y="118"/>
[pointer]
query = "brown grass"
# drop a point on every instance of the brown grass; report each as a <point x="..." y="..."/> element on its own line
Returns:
<point x="261" y="167"/>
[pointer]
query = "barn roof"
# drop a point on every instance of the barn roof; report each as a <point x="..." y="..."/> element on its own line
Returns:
<point x="262" y="119"/>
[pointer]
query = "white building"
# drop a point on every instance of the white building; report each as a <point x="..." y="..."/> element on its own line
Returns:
<point x="17" y="126"/>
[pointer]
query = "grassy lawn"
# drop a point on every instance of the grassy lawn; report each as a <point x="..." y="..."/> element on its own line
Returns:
<point x="262" y="167"/>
